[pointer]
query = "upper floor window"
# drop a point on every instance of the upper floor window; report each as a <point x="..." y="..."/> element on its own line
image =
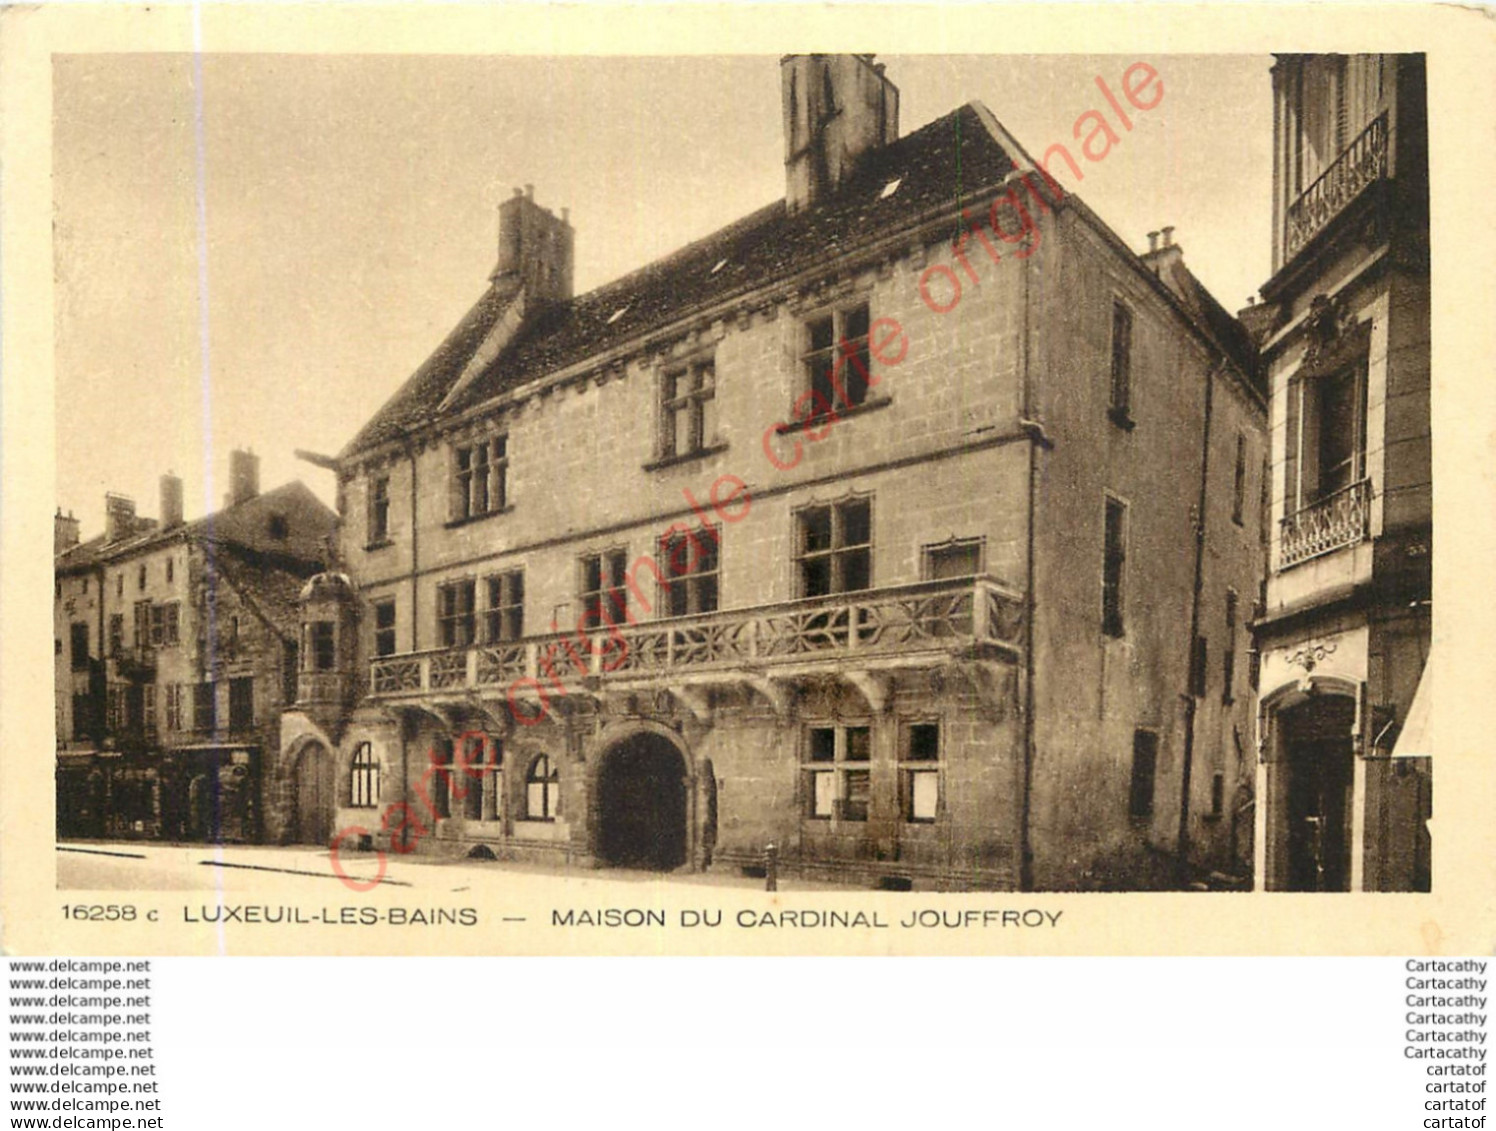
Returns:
<point x="1120" y="409"/>
<point x="165" y="624"/>
<point x="1326" y="435"/>
<point x="961" y="557"/>
<point x="204" y="704"/>
<point x="119" y="585"/>
<point x="241" y="703"/>
<point x="1114" y="557"/>
<point x="1228" y="661"/>
<point x="604" y="599"/>
<point x="171" y="570"/>
<point x="142" y="624"/>
<point x="384" y="628"/>
<point x="836" y="361"/>
<point x="379" y="510"/>
<point x="142" y="575"/>
<point x="505" y="615"/>
<point x="835" y="547"/>
<point x="116" y="634"/>
<point x="1239" y="491"/>
<point x="690" y="567"/>
<point x="79" y="643"/>
<point x="322" y="645"/>
<point x="480" y="478"/>
<point x="688" y="409"/>
<point x="456" y="618"/>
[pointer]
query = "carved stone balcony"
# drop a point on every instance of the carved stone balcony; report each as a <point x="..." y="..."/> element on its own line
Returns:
<point x="1363" y="163"/>
<point x="873" y="628"/>
<point x="1334" y="522"/>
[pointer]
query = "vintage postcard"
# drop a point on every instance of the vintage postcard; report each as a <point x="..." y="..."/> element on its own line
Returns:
<point x="566" y="481"/>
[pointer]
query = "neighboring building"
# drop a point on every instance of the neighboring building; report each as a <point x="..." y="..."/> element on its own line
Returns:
<point x="854" y="529"/>
<point x="1345" y="634"/>
<point x="176" y="644"/>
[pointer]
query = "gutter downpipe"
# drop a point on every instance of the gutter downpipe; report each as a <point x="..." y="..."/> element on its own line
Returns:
<point x="1186" y="770"/>
<point x="1025" y="844"/>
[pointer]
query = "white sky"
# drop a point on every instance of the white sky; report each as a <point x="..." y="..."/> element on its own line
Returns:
<point x="350" y="216"/>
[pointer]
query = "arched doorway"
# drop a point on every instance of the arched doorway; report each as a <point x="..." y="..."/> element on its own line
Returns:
<point x="312" y="787"/>
<point x="1319" y="761"/>
<point x="641" y="804"/>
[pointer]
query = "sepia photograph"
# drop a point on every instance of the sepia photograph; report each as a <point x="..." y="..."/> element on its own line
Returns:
<point x="819" y="484"/>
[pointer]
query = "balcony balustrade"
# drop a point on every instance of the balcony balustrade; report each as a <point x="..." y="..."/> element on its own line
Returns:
<point x="1338" y="520"/>
<point x="873" y="625"/>
<point x="1363" y="163"/>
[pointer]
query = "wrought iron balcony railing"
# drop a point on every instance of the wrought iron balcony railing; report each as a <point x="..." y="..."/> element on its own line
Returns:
<point x="1338" y="520"/>
<point x="1363" y="163"/>
<point x="930" y="616"/>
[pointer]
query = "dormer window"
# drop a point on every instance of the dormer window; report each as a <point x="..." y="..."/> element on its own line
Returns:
<point x="278" y="527"/>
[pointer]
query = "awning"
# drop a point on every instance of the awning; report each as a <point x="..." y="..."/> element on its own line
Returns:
<point x="1416" y="738"/>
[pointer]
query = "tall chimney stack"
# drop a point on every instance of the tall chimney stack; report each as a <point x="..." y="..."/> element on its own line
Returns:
<point x="535" y="247"/>
<point x="64" y="532"/>
<point x="836" y="108"/>
<point x="171" y="501"/>
<point x="119" y="517"/>
<point x="244" y="476"/>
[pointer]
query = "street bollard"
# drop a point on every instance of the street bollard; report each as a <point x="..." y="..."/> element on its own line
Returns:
<point x="771" y="867"/>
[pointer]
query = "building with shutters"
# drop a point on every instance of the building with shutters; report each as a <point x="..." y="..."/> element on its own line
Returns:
<point x="176" y="643"/>
<point x="909" y="525"/>
<point x="1345" y="626"/>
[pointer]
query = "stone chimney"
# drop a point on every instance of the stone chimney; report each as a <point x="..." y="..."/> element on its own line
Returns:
<point x="119" y="517"/>
<point x="244" y="477"/>
<point x="535" y="247"/>
<point x="64" y="532"/>
<point x="171" y="501"/>
<point x="1163" y="255"/>
<point x="836" y="108"/>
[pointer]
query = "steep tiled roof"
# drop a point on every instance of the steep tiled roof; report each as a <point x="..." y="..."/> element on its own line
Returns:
<point x="942" y="164"/>
<point x="1222" y="326"/>
<point x="245" y="524"/>
<point x="272" y="589"/>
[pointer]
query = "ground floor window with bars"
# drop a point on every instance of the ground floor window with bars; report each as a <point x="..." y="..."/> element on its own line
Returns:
<point x="364" y="792"/>
<point x="836" y="772"/>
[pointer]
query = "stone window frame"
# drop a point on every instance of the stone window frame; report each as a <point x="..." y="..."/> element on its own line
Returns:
<point x="929" y="550"/>
<point x="544" y="773"/>
<point x="839" y="768"/>
<point x="507" y="612"/>
<point x="612" y="574"/>
<point x="910" y="766"/>
<point x="837" y="551"/>
<point x="378" y="522"/>
<point x="464" y="496"/>
<point x="364" y="786"/>
<point x="699" y="405"/>
<point x="697" y="580"/>
<point x="385" y="633"/>
<point x="1114" y="565"/>
<point x="453" y="615"/>
<point x="1120" y="387"/>
<point x="818" y="383"/>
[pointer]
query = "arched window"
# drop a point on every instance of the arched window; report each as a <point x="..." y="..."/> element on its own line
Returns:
<point x="364" y="793"/>
<point x="542" y="790"/>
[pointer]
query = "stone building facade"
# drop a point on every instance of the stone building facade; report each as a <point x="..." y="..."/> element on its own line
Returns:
<point x="1346" y="631"/>
<point x="190" y="633"/>
<point x="879" y="527"/>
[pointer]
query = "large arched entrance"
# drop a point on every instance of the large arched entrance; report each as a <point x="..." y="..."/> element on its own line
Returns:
<point x="1319" y="764"/>
<point x="641" y="804"/>
<point x="312" y="786"/>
